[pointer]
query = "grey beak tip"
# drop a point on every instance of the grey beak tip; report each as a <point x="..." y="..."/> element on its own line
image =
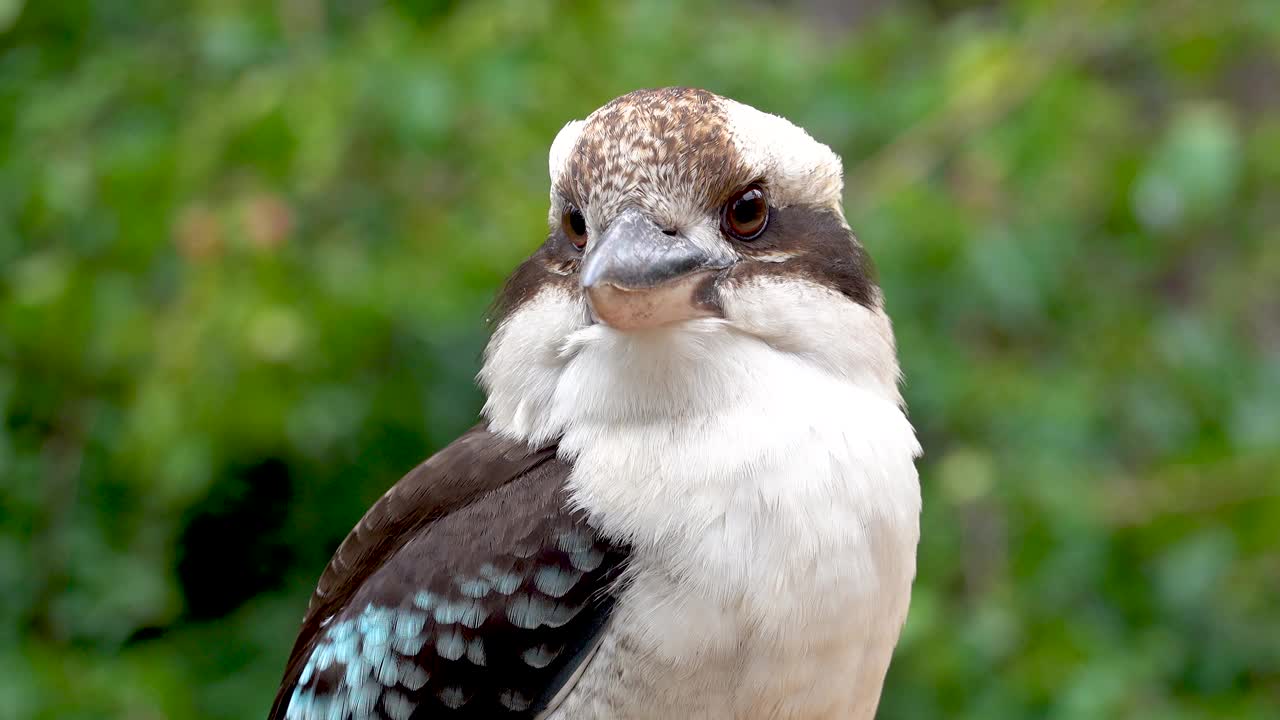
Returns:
<point x="593" y="270"/>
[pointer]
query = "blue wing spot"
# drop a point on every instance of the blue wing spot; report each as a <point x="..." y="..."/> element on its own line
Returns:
<point x="364" y="698"/>
<point x="397" y="706"/>
<point x="410" y="646"/>
<point x="507" y="584"/>
<point x="370" y="650"/>
<point x="529" y="612"/>
<point x="342" y="631"/>
<point x="475" y="653"/>
<point x="307" y="706"/>
<point x="425" y="599"/>
<point x="356" y="672"/>
<point x="374" y="652"/>
<point x="388" y="671"/>
<point x="475" y="588"/>
<point x="514" y="700"/>
<point x="448" y="613"/>
<point x="375" y="621"/>
<point x="504" y="582"/>
<point x="555" y="581"/>
<point x="375" y="632"/>
<point x="299" y="703"/>
<point x="452" y="696"/>
<point x="450" y="645"/>
<point x="322" y="658"/>
<point x="539" y="656"/>
<point x="414" y="678"/>
<point x="587" y="560"/>
<point x="474" y="616"/>
<point x="347" y="649"/>
<point x="409" y="624"/>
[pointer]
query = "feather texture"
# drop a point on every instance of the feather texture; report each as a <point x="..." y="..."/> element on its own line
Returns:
<point x="470" y="590"/>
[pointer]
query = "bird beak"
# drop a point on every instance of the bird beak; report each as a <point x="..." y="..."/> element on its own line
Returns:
<point x="636" y="276"/>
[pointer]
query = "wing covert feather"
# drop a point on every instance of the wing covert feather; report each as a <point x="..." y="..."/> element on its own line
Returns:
<point x="470" y="589"/>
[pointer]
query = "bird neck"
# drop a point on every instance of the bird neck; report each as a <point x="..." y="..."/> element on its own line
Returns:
<point x="722" y="419"/>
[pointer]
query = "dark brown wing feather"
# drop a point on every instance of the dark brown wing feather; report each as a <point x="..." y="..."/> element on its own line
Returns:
<point x="470" y="589"/>
<point x="474" y="464"/>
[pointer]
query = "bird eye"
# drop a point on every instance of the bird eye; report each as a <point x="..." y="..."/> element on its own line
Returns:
<point x="575" y="226"/>
<point x="746" y="214"/>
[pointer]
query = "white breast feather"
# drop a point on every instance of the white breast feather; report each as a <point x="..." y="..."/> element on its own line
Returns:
<point x="771" y="502"/>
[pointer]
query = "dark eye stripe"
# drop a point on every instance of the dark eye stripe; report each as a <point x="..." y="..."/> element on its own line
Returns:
<point x="817" y="246"/>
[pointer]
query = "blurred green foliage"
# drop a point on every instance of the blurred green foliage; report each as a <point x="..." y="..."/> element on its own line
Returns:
<point x="246" y="249"/>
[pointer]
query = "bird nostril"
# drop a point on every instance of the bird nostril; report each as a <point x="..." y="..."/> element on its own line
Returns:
<point x="669" y="232"/>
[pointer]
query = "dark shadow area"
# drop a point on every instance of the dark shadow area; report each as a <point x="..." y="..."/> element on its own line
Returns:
<point x="232" y="546"/>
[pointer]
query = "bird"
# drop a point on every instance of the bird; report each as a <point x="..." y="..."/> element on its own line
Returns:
<point x="692" y="490"/>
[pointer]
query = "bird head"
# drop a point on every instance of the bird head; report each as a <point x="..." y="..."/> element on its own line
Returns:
<point x="678" y="217"/>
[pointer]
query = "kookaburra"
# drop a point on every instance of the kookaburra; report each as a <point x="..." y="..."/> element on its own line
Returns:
<point x="693" y="491"/>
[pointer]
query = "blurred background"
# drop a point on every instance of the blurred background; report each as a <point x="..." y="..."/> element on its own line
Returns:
<point x="247" y="248"/>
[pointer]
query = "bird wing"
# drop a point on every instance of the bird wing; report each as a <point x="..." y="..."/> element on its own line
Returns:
<point x="471" y="589"/>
